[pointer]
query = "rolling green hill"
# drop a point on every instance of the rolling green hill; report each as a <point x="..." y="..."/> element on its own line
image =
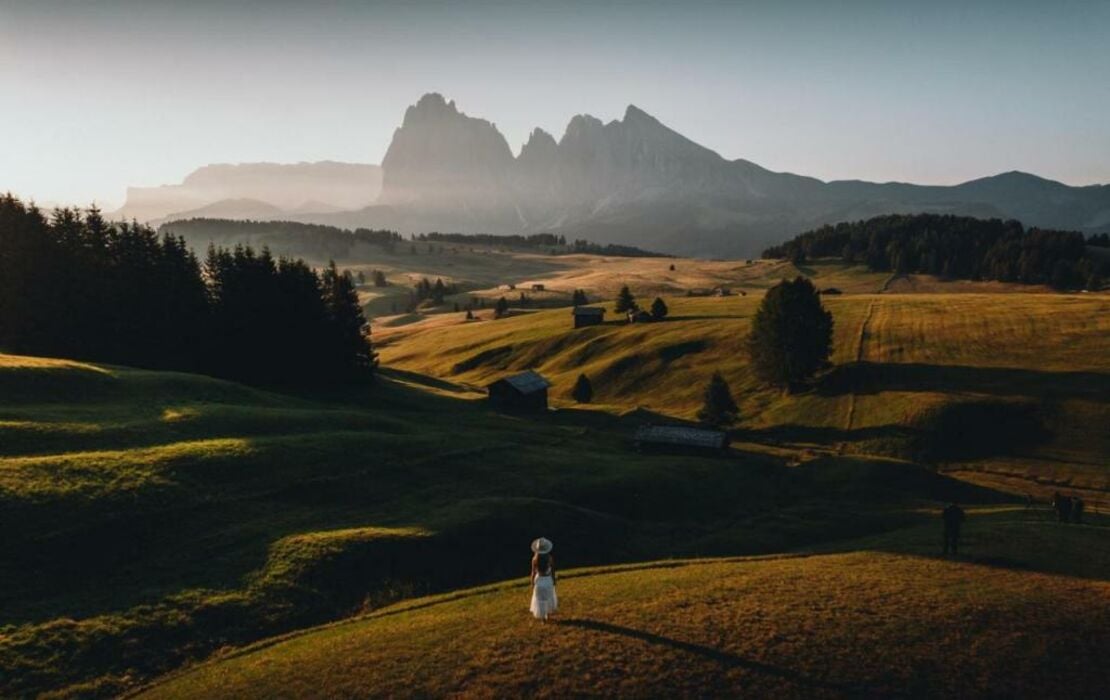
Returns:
<point x="888" y="620"/>
<point x="151" y="518"/>
<point x="1028" y="375"/>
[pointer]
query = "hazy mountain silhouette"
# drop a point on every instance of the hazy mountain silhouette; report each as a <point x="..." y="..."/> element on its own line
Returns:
<point x="632" y="181"/>
<point x="635" y="180"/>
<point x="317" y="187"/>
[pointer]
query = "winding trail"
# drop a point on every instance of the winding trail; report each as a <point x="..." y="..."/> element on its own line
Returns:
<point x="861" y="340"/>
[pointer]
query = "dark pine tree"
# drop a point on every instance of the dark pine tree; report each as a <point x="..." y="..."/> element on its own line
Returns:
<point x="346" y="323"/>
<point x="502" y="307"/>
<point x="658" y="309"/>
<point x="379" y="278"/>
<point x="579" y="298"/>
<point x="718" y="408"/>
<point x="583" y="391"/>
<point x="791" y="336"/>
<point x="625" y="301"/>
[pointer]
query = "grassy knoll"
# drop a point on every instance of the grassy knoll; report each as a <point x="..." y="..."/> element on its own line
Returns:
<point x="151" y="518"/>
<point x="1028" y="375"/>
<point x="889" y="619"/>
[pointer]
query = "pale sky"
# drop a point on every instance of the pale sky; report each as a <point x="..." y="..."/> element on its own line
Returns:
<point x="98" y="95"/>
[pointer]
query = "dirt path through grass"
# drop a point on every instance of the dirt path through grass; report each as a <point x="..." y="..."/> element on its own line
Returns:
<point x="861" y="339"/>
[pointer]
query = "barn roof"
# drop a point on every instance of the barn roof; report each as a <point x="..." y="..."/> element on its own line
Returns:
<point x="526" y="382"/>
<point x="681" y="435"/>
<point x="588" y="311"/>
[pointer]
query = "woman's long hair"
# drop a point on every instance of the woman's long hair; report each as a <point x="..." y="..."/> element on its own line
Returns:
<point x="541" y="562"/>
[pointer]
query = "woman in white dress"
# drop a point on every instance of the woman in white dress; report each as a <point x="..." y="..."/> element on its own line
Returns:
<point x="544" y="599"/>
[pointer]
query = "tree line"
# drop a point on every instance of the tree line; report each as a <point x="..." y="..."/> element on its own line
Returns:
<point x="74" y="285"/>
<point x="956" y="247"/>
<point x="316" y="241"/>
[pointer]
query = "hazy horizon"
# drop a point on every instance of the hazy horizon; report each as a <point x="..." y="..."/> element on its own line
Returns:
<point x="106" y="95"/>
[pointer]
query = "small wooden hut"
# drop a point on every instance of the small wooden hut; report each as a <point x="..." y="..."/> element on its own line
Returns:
<point x="587" y="316"/>
<point x="524" y="392"/>
<point x="681" y="438"/>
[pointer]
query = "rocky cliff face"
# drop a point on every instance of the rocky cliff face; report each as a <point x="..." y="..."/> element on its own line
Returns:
<point x="440" y="157"/>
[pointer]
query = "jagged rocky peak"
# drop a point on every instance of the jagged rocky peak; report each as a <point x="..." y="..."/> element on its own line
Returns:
<point x="430" y="108"/>
<point x="581" y="125"/>
<point x="540" y="146"/>
<point x="441" y="154"/>
<point x="634" y="114"/>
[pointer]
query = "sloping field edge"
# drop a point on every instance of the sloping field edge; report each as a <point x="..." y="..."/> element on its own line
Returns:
<point x="432" y="601"/>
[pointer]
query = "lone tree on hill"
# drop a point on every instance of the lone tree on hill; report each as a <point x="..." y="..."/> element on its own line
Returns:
<point x="502" y="307"/>
<point x="658" y="309"/>
<point x="791" y="335"/>
<point x="469" y="315"/>
<point x="625" y="301"/>
<point x="672" y="267"/>
<point x="583" y="391"/>
<point x="579" y="298"/>
<point x="719" y="407"/>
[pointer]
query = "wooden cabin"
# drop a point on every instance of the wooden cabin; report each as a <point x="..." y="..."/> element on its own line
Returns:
<point x="680" y="438"/>
<point x="524" y="392"/>
<point x="588" y="316"/>
<point x="537" y="287"/>
<point x="639" y="316"/>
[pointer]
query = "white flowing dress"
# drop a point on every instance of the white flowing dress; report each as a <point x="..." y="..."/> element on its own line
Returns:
<point x="544" y="599"/>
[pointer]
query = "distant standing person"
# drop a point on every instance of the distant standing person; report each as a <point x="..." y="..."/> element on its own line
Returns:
<point x="544" y="599"/>
<point x="1062" y="505"/>
<point x="953" y="517"/>
<point x="1076" y="509"/>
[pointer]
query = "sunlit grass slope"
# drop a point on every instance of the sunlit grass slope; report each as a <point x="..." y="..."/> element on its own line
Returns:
<point x="150" y="518"/>
<point x="899" y="360"/>
<point x="889" y="620"/>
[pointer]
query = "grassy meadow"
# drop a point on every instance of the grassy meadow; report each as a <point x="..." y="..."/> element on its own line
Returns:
<point x="887" y="619"/>
<point x="904" y="364"/>
<point x="152" y="520"/>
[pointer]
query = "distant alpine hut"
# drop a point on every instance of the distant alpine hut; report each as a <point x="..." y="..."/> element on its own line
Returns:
<point x="588" y="316"/>
<point x="537" y="287"/>
<point x="680" y="438"/>
<point x="522" y="392"/>
<point x="639" y="316"/>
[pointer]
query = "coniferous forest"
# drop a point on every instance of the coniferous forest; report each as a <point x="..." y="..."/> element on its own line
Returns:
<point x="74" y="285"/>
<point x="956" y="247"/>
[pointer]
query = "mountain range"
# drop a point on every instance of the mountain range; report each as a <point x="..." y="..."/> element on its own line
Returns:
<point x="636" y="181"/>
<point x="257" y="191"/>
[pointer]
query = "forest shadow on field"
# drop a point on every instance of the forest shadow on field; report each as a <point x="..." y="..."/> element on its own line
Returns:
<point x="724" y="658"/>
<point x="874" y="377"/>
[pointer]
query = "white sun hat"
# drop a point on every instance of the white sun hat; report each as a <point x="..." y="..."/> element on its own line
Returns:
<point x="542" y="545"/>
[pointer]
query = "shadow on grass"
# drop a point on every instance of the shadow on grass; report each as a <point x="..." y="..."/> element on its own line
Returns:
<point x="790" y="433"/>
<point x="873" y="377"/>
<point x="1021" y="539"/>
<point x="722" y="657"/>
<point x="423" y="380"/>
